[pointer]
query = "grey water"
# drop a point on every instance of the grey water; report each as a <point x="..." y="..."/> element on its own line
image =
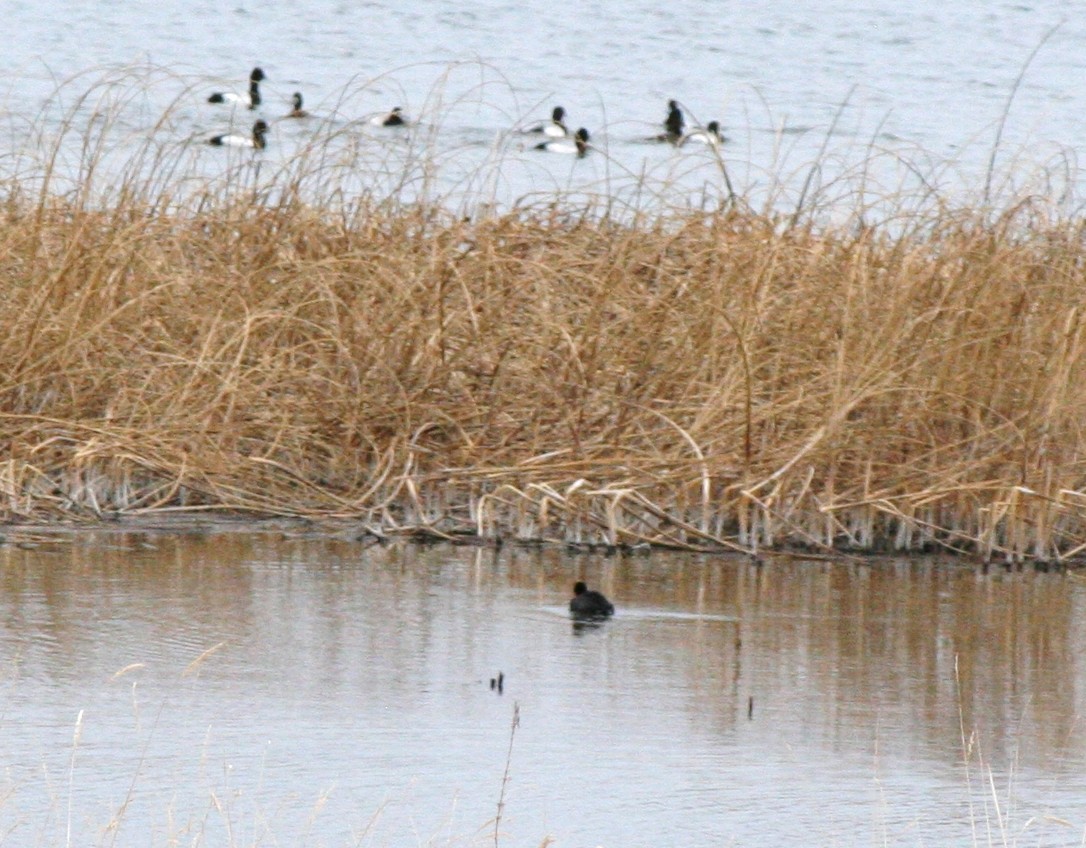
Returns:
<point x="846" y="102"/>
<point x="230" y="687"/>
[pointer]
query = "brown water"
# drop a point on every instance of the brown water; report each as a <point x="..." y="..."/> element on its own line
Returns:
<point x="242" y="689"/>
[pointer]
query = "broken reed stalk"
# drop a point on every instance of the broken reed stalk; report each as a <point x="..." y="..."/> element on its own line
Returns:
<point x="514" y="724"/>
<point x="268" y="341"/>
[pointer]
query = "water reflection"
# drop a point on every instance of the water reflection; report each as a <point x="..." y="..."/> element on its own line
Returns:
<point x="320" y="690"/>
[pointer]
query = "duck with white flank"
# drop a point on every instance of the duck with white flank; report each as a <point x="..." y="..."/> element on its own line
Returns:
<point x="250" y="99"/>
<point x="296" y="110"/>
<point x="555" y="127"/>
<point x="588" y="603"/>
<point x="256" y="141"/>
<point x="711" y="135"/>
<point x="577" y="145"/>
<point x="393" y="118"/>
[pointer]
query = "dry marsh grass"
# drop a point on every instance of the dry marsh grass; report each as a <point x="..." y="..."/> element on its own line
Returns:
<point x="712" y="379"/>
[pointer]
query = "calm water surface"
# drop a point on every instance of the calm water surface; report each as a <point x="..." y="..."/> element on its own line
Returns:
<point x="911" y="95"/>
<point x="259" y="689"/>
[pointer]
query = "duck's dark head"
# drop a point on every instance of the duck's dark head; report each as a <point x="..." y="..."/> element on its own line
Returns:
<point x="257" y="75"/>
<point x="260" y="129"/>
<point x="579" y="588"/>
<point x="558" y="115"/>
<point x="297" y="100"/>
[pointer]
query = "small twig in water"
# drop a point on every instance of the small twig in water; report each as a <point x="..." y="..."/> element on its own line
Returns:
<point x="505" y="775"/>
<point x="76" y="736"/>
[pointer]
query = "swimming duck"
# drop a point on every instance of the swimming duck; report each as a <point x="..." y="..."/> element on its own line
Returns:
<point x="393" y="118"/>
<point x="588" y="603"/>
<point x="673" y="125"/>
<point x="711" y="135"/>
<point x="578" y="144"/>
<point x="249" y="100"/>
<point x="256" y="141"/>
<point x="555" y="127"/>
<point x="296" y="110"/>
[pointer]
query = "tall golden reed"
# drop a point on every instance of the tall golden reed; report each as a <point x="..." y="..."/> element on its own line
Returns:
<point x="705" y="379"/>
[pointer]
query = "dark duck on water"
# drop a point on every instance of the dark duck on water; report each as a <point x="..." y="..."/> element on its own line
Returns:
<point x="588" y="603"/>
<point x="674" y="125"/>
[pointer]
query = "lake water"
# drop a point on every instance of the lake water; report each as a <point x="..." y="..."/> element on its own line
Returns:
<point x="890" y="99"/>
<point x="232" y="688"/>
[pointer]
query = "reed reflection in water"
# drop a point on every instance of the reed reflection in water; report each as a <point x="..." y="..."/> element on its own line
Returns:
<point x="277" y="688"/>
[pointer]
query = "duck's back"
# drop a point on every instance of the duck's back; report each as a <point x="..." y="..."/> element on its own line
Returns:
<point x="591" y="603"/>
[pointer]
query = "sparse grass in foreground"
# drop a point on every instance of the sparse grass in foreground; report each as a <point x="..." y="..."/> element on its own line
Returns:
<point x="726" y="379"/>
